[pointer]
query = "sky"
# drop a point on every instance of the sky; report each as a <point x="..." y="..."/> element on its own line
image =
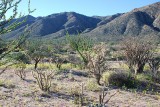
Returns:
<point x="86" y="7"/>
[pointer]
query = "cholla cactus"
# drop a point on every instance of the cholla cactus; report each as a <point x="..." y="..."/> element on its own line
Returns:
<point x="44" y="79"/>
<point x="21" y="71"/>
<point x="97" y="61"/>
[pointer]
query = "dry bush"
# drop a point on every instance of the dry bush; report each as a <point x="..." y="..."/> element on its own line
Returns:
<point x="103" y="93"/>
<point x="59" y="61"/>
<point x="137" y="52"/>
<point x="21" y="71"/>
<point x="43" y="79"/>
<point x="74" y="60"/>
<point x="97" y="61"/>
<point x="78" y="93"/>
<point x="154" y="64"/>
<point x="121" y="79"/>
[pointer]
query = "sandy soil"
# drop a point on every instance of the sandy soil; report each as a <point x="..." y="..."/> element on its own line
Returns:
<point x="26" y="93"/>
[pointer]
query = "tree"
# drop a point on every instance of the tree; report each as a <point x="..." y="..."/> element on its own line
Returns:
<point x="59" y="60"/>
<point x="137" y="52"/>
<point x="74" y="60"/>
<point x="58" y="52"/>
<point x="37" y="50"/>
<point x="81" y="45"/>
<point x="7" y="25"/>
<point x="97" y="61"/>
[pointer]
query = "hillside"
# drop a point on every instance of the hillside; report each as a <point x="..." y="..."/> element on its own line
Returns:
<point x="140" y="21"/>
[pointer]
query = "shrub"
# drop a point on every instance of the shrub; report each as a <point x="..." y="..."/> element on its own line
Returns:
<point x="121" y="79"/>
<point x="144" y="77"/>
<point x="2" y="83"/>
<point x="43" y="79"/>
<point x="78" y="92"/>
<point x="137" y="52"/>
<point x="7" y="84"/>
<point x="97" y="61"/>
<point x="21" y="71"/>
<point x="92" y="85"/>
<point x="59" y="61"/>
<point x="75" y="90"/>
<point x="105" y="77"/>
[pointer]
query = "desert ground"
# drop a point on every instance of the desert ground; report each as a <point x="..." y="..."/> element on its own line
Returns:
<point x="66" y="85"/>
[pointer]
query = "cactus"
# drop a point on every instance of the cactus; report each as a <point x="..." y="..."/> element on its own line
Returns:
<point x="43" y="79"/>
<point x="21" y="71"/>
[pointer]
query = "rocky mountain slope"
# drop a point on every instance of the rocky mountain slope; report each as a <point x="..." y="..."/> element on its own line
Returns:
<point x="140" y="21"/>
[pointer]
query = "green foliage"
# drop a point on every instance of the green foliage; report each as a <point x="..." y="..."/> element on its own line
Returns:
<point x="154" y="64"/>
<point x="19" y="57"/>
<point x="2" y="46"/>
<point x="37" y="50"/>
<point x="144" y="77"/>
<point x="7" y="84"/>
<point x="81" y="45"/>
<point x="2" y="82"/>
<point x="120" y="79"/>
<point x="92" y="85"/>
<point x="105" y="77"/>
<point x="9" y="24"/>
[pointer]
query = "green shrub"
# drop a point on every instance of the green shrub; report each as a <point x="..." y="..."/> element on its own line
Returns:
<point x="92" y="85"/>
<point x="144" y="77"/>
<point x="2" y="83"/>
<point x="105" y="77"/>
<point x="121" y="79"/>
<point x="20" y="57"/>
<point x="7" y="84"/>
<point x="75" y="90"/>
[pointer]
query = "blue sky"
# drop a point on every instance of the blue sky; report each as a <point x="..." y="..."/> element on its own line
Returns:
<point x="86" y="7"/>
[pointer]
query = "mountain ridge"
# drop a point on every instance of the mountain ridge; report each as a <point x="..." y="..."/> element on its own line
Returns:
<point x="139" y="21"/>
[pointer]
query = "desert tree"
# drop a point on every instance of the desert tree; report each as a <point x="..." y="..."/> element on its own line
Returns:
<point x="58" y="53"/>
<point x="58" y="60"/>
<point x="97" y="61"/>
<point x="81" y="45"/>
<point x="74" y="60"/>
<point x="20" y="60"/>
<point x="36" y="50"/>
<point x="137" y="52"/>
<point x="9" y="23"/>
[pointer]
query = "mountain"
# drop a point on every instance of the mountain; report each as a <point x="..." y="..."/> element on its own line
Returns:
<point x="140" y="21"/>
<point x="58" y="24"/>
